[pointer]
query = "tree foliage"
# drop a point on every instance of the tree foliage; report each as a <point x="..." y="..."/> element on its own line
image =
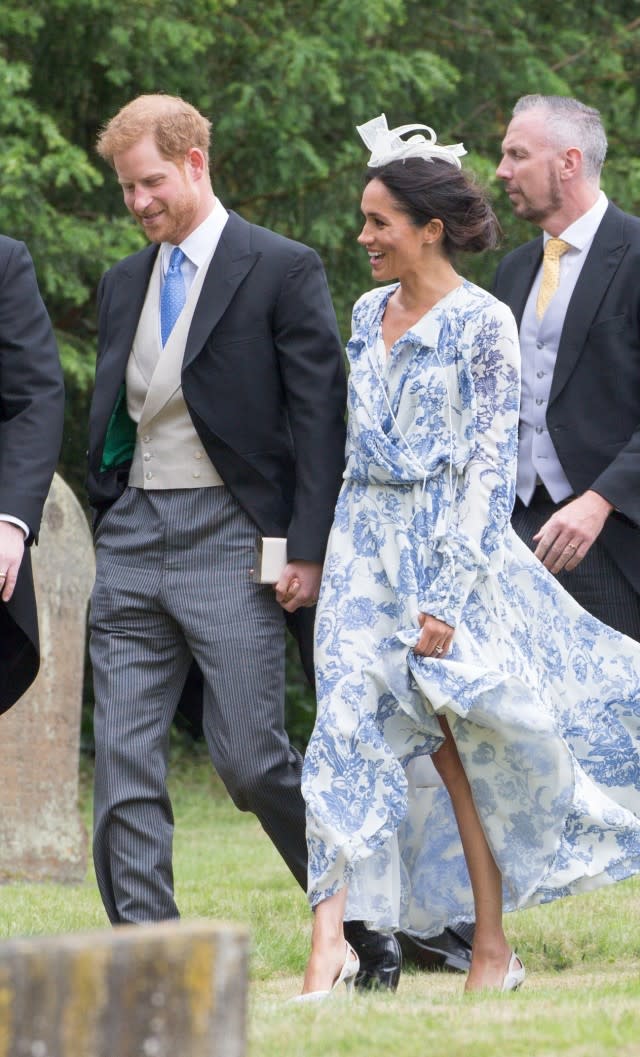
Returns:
<point x="285" y="83"/>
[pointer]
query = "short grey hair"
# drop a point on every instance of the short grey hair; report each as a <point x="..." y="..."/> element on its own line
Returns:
<point x="571" y="124"/>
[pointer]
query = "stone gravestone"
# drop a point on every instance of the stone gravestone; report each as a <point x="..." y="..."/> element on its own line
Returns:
<point x="41" y="834"/>
<point x="176" y="989"/>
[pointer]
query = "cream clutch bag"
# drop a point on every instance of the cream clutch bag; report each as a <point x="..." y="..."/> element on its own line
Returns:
<point x="270" y="559"/>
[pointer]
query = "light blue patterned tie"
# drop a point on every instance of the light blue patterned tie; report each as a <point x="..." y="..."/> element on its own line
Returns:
<point x="173" y="294"/>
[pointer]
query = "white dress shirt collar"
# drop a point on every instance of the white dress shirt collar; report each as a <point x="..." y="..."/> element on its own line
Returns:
<point x="580" y="234"/>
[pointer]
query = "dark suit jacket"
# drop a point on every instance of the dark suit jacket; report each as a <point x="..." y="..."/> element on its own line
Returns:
<point x="31" y="417"/>
<point x="263" y="378"/>
<point x="594" y="406"/>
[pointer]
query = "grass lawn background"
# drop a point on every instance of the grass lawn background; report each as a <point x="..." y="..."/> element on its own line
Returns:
<point x="581" y="997"/>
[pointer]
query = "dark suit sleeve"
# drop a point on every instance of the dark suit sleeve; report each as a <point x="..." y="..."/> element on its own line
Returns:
<point x="614" y="341"/>
<point x="619" y="483"/>
<point x="31" y="390"/>
<point x="312" y="369"/>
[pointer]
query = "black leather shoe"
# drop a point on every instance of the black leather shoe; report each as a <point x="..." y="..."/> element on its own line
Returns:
<point x="450" y="950"/>
<point x="380" y="957"/>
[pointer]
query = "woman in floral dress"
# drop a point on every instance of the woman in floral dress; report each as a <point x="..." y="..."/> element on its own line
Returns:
<point x="438" y="633"/>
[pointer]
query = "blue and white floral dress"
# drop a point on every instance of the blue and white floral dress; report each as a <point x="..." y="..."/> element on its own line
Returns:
<point x="543" y="700"/>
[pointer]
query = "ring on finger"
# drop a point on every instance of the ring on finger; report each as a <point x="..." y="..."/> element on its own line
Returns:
<point x="437" y="649"/>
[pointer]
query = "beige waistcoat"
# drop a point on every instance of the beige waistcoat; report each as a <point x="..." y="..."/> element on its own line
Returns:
<point x="168" y="452"/>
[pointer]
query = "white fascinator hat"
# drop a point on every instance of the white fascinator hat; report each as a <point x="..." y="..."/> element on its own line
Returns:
<point x="386" y="144"/>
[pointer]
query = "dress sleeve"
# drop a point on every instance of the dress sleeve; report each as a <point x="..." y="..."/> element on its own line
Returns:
<point x="483" y="494"/>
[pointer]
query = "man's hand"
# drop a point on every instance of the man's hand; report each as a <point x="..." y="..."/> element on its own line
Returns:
<point x="566" y="537"/>
<point x="11" y="551"/>
<point x="435" y="638"/>
<point x="299" y="585"/>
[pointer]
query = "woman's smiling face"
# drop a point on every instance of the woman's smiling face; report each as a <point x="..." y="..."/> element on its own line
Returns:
<point x="396" y="247"/>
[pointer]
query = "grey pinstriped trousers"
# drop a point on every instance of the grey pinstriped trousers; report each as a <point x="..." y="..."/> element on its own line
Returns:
<point x="172" y="582"/>
<point x="597" y="584"/>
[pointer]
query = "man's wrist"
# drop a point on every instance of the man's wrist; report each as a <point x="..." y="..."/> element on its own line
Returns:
<point x="607" y="507"/>
<point x="11" y="520"/>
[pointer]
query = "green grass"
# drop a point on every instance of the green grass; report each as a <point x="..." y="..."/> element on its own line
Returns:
<point x="581" y="997"/>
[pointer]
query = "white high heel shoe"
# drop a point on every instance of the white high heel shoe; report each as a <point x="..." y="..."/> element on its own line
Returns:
<point x="346" y="976"/>
<point x="515" y="974"/>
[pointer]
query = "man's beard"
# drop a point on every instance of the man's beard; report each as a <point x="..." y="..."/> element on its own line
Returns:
<point x="537" y="214"/>
<point x="175" y="223"/>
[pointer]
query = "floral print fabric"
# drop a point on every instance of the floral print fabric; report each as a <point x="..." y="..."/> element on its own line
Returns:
<point x="542" y="700"/>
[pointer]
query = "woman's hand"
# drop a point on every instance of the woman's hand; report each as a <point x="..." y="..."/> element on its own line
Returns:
<point x="435" y="638"/>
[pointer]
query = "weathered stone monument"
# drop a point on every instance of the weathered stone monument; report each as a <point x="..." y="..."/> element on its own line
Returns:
<point x="41" y="833"/>
<point x="177" y="989"/>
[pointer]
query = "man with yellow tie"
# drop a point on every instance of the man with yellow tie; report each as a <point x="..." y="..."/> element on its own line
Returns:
<point x="575" y="292"/>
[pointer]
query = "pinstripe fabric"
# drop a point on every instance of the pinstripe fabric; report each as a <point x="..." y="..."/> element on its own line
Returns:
<point x="597" y="583"/>
<point x="172" y="581"/>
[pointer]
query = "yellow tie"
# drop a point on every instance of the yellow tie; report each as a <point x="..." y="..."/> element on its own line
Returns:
<point x="550" y="273"/>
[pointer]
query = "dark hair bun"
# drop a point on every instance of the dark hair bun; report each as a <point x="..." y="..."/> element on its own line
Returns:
<point x="426" y="190"/>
